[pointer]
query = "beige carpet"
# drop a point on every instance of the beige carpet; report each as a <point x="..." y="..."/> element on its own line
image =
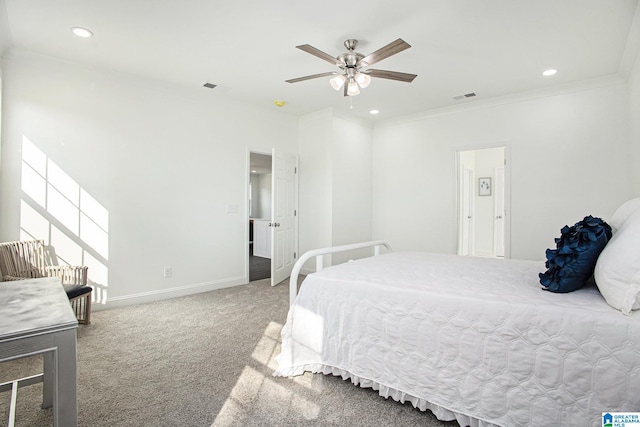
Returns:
<point x="202" y="360"/>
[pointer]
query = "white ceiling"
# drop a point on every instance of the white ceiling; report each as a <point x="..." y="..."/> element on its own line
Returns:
<point x="247" y="48"/>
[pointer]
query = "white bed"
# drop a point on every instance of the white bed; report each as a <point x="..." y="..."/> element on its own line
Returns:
<point x="471" y="339"/>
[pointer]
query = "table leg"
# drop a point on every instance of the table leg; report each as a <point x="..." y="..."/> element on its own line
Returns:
<point x="65" y="393"/>
<point x="48" y="378"/>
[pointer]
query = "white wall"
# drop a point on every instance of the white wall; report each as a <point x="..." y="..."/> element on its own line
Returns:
<point x="315" y="181"/>
<point x="163" y="162"/>
<point x="335" y="181"/>
<point x="568" y="159"/>
<point x="5" y="35"/>
<point x="352" y="187"/>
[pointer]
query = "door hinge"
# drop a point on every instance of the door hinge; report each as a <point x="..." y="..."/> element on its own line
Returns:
<point x="295" y="212"/>
<point x="294" y="255"/>
<point x="295" y="170"/>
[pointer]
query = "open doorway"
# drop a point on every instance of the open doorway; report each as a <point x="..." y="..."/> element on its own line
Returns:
<point x="482" y="202"/>
<point x="260" y="200"/>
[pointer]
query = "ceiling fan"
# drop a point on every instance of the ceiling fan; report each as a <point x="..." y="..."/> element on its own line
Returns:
<point x="352" y="75"/>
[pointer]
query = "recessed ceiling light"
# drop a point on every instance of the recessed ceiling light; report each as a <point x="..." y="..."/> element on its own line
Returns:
<point x="81" y="32"/>
<point x="549" y="72"/>
<point x="374" y="112"/>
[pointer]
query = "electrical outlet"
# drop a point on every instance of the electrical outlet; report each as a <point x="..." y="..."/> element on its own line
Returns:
<point x="168" y="272"/>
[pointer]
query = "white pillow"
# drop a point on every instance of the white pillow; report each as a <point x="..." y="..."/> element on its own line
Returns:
<point x="617" y="271"/>
<point x="623" y="213"/>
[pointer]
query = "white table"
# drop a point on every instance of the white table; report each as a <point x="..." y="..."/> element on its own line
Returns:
<point x="36" y="318"/>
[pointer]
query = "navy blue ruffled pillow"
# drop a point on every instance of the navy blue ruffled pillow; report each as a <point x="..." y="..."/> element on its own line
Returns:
<point x="571" y="264"/>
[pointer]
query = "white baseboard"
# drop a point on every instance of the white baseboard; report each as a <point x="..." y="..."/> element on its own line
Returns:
<point x="151" y="296"/>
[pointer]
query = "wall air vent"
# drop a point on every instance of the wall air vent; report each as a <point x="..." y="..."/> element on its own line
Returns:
<point x="466" y="95"/>
<point x="209" y="85"/>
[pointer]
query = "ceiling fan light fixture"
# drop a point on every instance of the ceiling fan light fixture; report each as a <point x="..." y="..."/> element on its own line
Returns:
<point x="353" y="89"/>
<point x="337" y="81"/>
<point x="363" y="80"/>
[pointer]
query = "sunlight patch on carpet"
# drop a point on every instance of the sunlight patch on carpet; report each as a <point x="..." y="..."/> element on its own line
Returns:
<point x="258" y="391"/>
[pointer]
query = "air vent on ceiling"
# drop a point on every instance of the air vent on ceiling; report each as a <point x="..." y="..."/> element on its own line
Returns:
<point x="209" y="85"/>
<point x="466" y="95"/>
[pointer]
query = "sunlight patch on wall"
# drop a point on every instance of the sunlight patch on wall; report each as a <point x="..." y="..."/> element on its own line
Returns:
<point x="94" y="224"/>
<point x="32" y="224"/>
<point x="34" y="185"/>
<point x="56" y="209"/>
<point x="63" y="197"/>
<point x="99" y="274"/>
<point x="66" y="249"/>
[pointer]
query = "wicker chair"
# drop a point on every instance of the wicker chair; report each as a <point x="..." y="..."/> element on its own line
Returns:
<point x="28" y="259"/>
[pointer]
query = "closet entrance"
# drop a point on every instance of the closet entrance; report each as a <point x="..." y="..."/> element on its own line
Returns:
<point x="482" y="202"/>
<point x="260" y="199"/>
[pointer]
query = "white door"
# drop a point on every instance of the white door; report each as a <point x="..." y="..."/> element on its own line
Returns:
<point x="466" y="213"/>
<point x="498" y="240"/>
<point x="283" y="216"/>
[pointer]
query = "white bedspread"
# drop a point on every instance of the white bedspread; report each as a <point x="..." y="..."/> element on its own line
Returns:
<point x="471" y="339"/>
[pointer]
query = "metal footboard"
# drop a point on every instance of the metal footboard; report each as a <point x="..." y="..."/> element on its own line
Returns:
<point x="319" y="255"/>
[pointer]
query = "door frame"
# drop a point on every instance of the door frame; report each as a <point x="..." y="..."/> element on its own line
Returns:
<point x="507" y="189"/>
<point x="269" y="152"/>
<point x="247" y="213"/>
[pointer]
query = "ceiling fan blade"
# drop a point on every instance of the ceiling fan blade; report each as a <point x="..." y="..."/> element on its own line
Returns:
<point x="320" y="54"/>
<point x="313" y="76"/>
<point x="391" y="75"/>
<point x="384" y="52"/>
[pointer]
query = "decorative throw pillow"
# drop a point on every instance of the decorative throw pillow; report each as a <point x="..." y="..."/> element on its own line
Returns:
<point x="571" y="264"/>
<point x="617" y="271"/>
<point x="623" y="213"/>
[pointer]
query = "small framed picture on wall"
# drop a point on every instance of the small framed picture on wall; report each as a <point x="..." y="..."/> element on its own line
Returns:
<point x="484" y="186"/>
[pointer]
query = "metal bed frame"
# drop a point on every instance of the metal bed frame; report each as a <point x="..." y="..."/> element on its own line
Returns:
<point x="319" y="255"/>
